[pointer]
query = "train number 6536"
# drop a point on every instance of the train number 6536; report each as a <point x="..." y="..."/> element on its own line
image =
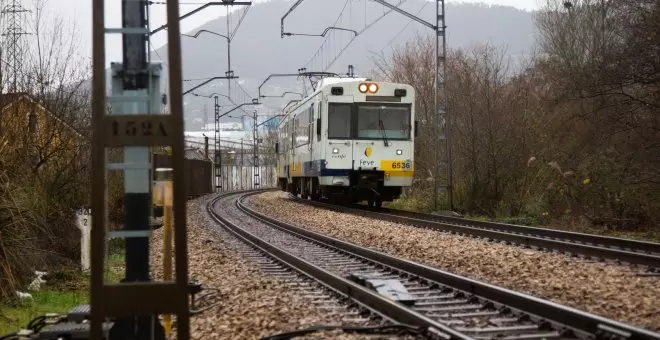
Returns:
<point x="401" y="165"/>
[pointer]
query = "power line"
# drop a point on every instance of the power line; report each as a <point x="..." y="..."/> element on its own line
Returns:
<point x="240" y="21"/>
<point x="245" y="92"/>
<point x="158" y="55"/>
<point x="389" y="43"/>
<point x="327" y="42"/>
<point x="180" y="3"/>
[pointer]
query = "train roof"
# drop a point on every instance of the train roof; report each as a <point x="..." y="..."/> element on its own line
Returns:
<point x="334" y="80"/>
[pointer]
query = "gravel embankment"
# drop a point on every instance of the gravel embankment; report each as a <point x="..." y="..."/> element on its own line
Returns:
<point x="615" y="292"/>
<point x="253" y="304"/>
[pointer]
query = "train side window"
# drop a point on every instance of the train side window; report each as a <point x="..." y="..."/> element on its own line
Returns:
<point x="294" y="126"/>
<point x="302" y="128"/>
<point x="318" y="124"/>
<point x="310" y="128"/>
<point x="285" y="138"/>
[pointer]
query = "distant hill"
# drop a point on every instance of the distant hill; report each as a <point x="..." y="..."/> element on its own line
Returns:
<point x="258" y="50"/>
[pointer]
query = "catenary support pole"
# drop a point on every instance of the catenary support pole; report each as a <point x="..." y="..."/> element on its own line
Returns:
<point x="443" y="121"/>
<point x="206" y="147"/>
<point x="443" y="111"/>
<point x="218" y="146"/>
<point x="255" y="153"/>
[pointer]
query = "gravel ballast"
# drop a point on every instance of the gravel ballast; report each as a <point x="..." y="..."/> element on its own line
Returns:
<point x="612" y="291"/>
<point x="253" y="304"/>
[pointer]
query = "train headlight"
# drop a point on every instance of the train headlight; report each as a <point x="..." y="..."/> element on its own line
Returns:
<point x="335" y="150"/>
<point x="399" y="152"/>
<point x="373" y="88"/>
<point x="363" y="88"/>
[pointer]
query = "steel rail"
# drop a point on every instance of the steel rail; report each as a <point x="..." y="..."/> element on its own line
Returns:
<point x="368" y="298"/>
<point x="623" y="250"/>
<point x="616" y="242"/>
<point x="583" y="322"/>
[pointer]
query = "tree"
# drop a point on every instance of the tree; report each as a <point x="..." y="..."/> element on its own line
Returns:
<point x="44" y="169"/>
<point x="601" y="61"/>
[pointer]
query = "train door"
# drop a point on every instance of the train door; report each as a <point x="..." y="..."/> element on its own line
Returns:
<point x="367" y="131"/>
<point x="339" y="150"/>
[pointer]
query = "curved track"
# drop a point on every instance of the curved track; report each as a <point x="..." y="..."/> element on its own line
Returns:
<point x="596" y="246"/>
<point x="445" y="305"/>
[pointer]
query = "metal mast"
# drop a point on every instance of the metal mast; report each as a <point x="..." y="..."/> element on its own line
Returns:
<point x="217" y="146"/>
<point x="13" y="18"/>
<point x="443" y="121"/>
<point x="255" y="153"/>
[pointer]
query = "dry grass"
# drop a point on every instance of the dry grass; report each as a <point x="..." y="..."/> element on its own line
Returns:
<point x="20" y="253"/>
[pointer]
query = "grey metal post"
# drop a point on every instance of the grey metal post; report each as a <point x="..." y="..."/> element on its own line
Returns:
<point x="228" y="56"/>
<point x="255" y="152"/>
<point x="442" y="25"/>
<point x="442" y="113"/>
<point x="241" y="167"/>
<point x="206" y="147"/>
<point x="229" y="59"/>
<point x="218" y="146"/>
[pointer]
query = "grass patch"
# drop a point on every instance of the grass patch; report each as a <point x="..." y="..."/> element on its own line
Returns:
<point x="17" y="315"/>
<point x="410" y="204"/>
<point x="64" y="289"/>
<point x="114" y="271"/>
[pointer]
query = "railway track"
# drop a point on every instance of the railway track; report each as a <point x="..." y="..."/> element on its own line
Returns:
<point x="620" y="250"/>
<point x="322" y="296"/>
<point x="444" y="305"/>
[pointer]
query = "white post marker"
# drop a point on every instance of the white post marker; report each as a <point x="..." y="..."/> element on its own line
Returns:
<point x="84" y="216"/>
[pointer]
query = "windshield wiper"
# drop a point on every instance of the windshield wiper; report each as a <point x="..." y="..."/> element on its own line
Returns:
<point x="382" y="129"/>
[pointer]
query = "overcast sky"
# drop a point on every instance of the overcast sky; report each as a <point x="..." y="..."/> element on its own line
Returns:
<point x="81" y="12"/>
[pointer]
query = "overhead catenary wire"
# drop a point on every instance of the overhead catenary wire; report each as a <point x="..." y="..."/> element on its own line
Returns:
<point x="389" y="43"/>
<point x="318" y="59"/>
<point x="158" y="55"/>
<point x="180" y="3"/>
<point x="231" y="32"/>
<point x="341" y="13"/>
<point x="240" y="21"/>
<point x="332" y="60"/>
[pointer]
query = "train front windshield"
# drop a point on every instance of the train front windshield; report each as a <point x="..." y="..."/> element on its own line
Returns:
<point x="369" y="121"/>
<point x="383" y="121"/>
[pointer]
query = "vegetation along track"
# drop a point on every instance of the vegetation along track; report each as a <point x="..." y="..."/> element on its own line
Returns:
<point x="444" y="304"/>
<point x="601" y="247"/>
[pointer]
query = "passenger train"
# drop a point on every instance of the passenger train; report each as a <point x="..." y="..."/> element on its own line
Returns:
<point x="351" y="140"/>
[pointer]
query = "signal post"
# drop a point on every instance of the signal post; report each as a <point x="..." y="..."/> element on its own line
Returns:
<point x="136" y="124"/>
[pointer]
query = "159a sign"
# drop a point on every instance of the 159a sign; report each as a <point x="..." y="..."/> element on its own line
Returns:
<point x="130" y="128"/>
<point x="138" y="130"/>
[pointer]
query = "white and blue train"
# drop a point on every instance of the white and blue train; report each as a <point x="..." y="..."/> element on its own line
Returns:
<point x="351" y="140"/>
